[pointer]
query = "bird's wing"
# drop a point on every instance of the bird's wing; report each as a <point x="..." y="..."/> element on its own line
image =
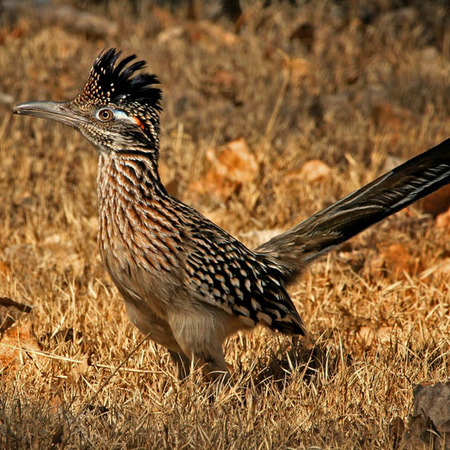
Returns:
<point x="222" y="272"/>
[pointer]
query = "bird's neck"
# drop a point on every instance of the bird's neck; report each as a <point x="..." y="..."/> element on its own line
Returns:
<point x="139" y="222"/>
<point x="129" y="175"/>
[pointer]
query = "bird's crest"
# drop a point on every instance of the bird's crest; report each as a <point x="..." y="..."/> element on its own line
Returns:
<point x="109" y="82"/>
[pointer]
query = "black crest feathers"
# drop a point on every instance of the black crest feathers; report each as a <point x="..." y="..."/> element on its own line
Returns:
<point x="119" y="83"/>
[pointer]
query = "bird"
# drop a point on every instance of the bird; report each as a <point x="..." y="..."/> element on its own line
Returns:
<point x="187" y="283"/>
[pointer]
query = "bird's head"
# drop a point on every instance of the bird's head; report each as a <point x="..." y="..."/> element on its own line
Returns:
<point x="117" y="110"/>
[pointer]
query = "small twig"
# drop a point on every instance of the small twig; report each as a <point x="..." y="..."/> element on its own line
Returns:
<point x="95" y="394"/>
<point x="76" y="361"/>
<point x="59" y="431"/>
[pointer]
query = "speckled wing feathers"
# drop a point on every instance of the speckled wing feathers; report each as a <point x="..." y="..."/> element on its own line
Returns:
<point x="224" y="273"/>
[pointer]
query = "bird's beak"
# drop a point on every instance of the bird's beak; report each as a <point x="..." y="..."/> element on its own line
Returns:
<point x="59" y="111"/>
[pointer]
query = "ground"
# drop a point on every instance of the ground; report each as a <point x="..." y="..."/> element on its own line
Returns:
<point x="358" y="86"/>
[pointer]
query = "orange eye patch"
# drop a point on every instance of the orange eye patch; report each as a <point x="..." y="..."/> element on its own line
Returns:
<point x="138" y="123"/>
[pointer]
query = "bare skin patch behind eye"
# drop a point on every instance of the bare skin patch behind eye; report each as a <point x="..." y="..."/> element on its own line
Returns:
<point x="138" y="123"/>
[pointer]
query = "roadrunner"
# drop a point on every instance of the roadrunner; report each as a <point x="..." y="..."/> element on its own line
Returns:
<point x="186" y="282"/>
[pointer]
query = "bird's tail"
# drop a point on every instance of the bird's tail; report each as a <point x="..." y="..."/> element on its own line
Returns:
<point x="407" y="183"/>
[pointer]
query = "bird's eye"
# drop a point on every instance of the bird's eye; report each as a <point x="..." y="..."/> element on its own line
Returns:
<point x="105" y="115"/>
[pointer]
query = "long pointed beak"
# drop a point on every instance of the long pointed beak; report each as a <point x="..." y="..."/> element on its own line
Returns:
<point x="58" y="111"/>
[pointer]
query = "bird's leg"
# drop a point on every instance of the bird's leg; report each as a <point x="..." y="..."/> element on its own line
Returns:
<point x="209" y="358"/>
<point x="200" y="339"/>
<point x="182" y="364"/>
<point x="216" y="369"/>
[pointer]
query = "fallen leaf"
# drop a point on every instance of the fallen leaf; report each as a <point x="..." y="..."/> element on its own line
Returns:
<point x="421" y="435"/>
<point x="437" y="202"/>
<point x="398" y="259"/>
<point x="5" y="270"/>
<point x="10" y="311"/>
<point x="434" y="402"/>
<point x="231" y="167"/>
<point x="14" y="345"/>
<point x="236" y="161"/>
<point x="394" y="259"/>
<point x="387" y="116"/>
<point x="429" y="424"/>
<point x="443" y="220"/>
<point x="314" y="170"/>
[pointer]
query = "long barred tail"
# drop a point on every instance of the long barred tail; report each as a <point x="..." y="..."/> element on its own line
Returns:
<point x="407" y="183"/>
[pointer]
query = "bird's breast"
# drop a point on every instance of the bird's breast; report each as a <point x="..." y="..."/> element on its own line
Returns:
<point x="140" y="247"/>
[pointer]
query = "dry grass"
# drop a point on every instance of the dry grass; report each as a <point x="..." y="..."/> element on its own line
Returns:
<point x="342" y="391"/>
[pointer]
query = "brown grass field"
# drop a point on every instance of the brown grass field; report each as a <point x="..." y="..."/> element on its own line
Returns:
<point x="369" y="90"/>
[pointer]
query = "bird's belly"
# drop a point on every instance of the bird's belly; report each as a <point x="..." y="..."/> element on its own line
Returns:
<point x="139" y="284"/>
<point x="144" y="295"/>
<point x="148" y="323"/>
